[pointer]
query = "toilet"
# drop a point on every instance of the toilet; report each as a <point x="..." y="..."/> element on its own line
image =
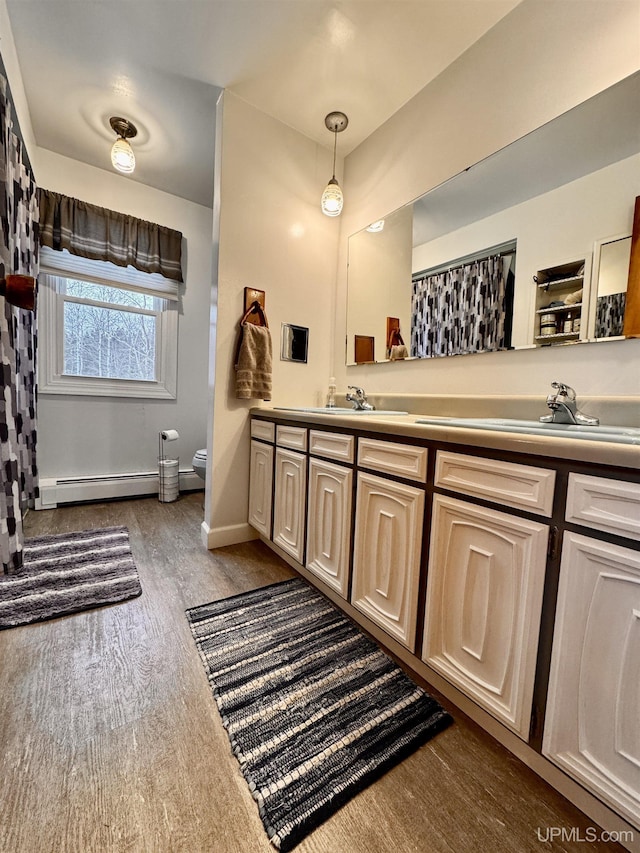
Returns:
<point x="199" y="463"/>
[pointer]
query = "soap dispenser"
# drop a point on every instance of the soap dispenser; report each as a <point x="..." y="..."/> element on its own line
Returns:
<point x="331" y="395"/>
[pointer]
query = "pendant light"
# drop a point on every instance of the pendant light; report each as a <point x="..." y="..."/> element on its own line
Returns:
<point x="332" y="199"/>
<point x="122" y="157"/>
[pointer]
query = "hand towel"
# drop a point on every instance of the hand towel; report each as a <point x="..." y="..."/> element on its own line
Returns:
<point x="398" y="353"/>
<point x="253" y="363"/>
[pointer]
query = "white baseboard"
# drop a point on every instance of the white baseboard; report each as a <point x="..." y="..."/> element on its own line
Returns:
<point x="61" y="490"/>
<point x="234" y="534"/>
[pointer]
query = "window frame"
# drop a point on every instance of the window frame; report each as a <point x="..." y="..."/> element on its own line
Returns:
<point x="50" y="367"/>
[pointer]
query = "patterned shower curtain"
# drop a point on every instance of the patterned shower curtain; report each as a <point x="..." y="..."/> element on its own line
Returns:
<point x="462" y="310"/>
<point x="18" y="255"/>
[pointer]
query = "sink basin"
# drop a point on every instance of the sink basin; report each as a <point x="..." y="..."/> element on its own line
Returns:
<point x="323" y="410"/>
<point x="603" y="432"/>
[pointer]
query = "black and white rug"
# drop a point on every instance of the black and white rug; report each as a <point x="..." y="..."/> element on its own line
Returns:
<point x="69" y="572"/>
<point x="314" y="710"/>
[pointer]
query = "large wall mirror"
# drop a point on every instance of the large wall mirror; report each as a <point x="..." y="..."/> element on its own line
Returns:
<point x="528" y="248"/>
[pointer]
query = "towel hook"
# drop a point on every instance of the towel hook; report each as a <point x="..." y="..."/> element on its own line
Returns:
<point x="255" y="308"/>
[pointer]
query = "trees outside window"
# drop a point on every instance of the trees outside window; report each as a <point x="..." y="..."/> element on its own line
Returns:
<point x="106" y="340"/>
<point x="116" y="342"/>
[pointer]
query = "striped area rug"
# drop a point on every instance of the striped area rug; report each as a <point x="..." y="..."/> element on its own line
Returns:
<point x="69" y="572"/>
<point x="314" y="710"/>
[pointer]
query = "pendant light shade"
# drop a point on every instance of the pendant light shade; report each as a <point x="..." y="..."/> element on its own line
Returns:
<point x="122" y="157"/>
<point x="332" y="198"/>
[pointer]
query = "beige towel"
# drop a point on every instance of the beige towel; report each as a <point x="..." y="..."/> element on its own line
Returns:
<point x="398" y="353"/>
<point x="253" y="363"/>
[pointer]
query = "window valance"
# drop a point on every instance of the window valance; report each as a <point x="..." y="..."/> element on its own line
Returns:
<point x="105" y="235"/>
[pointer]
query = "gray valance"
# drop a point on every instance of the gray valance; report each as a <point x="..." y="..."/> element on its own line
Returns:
<point x="105" y="235"/>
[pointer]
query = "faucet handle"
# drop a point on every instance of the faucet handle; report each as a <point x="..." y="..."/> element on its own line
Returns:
<point x="564" y="390"/>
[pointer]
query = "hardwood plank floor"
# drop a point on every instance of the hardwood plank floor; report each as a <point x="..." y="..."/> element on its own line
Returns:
<point x="111" y="741"/>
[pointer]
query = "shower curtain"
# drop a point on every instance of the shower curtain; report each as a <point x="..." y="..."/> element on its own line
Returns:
<point x="18" y="255"/>
<point x="461" y="310"/>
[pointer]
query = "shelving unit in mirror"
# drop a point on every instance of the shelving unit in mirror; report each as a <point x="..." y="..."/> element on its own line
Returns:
<point x="559" y="302"/>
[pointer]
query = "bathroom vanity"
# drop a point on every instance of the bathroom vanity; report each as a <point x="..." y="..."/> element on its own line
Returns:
<point x="502" y="567"/>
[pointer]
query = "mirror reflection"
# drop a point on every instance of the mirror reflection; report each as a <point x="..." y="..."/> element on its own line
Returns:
<point x="294" y="343"/>
<point x="610" y="274"/>
<point x="504" y="255"/>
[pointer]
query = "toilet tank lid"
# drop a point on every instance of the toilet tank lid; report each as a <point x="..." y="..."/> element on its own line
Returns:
<point x="201" y="454"/>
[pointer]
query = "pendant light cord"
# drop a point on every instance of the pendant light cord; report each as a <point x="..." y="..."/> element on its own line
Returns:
<point x="335" y="142"/>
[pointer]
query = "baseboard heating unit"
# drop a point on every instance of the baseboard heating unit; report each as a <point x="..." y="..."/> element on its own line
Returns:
<point x="61" y="490"/>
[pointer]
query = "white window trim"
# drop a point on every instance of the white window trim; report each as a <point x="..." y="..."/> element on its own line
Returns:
<point x="52" y="380"/>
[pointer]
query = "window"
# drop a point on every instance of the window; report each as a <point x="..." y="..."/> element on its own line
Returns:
<point x="106" y="330"/>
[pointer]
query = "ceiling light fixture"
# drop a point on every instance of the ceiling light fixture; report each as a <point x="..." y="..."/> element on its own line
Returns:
<point x="376" y="226"/>
<point x="332" y="198"/>
<point x="122" y="156"/>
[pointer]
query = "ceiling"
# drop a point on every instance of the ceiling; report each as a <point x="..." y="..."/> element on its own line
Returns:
<point x="163" y="63"/>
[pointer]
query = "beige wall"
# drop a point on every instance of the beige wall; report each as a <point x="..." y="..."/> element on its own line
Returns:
<point x="379" y="282"/>
<point x="520" y="75"/>
<point x="14" y="75"/>
<point x="272" y="236"/>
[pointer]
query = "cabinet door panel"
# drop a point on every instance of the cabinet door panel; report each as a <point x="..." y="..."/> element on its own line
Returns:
<point x="602" y="504"/>
<point x="484" y="599"/>
<point x="504" y="483"/>
<point x="261" y="487"/>
<point x="592" y="727"/>
<point x="386" y="563"/>
<point x="329" y="523"/>
<point x="290" y="502"/>
<point x="263" y="430"/>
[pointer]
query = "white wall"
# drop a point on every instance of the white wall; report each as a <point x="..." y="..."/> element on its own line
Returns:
<point x="274" y="237"/>
<point x="104" y="435"/>
<point x="99" y="435"/>
<point x="539" y="61"/>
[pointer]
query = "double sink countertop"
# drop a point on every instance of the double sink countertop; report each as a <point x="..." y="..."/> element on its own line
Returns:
<point x="504" y="434"/>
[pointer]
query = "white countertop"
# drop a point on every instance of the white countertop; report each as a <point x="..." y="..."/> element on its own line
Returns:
<point x="581" y="450"/>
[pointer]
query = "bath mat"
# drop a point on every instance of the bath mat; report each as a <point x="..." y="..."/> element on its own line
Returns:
<point x="314" y="710"/>
<point x="69" y="572"/>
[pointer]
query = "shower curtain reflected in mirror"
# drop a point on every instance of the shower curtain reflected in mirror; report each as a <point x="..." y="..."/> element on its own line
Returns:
<point x="463" y="310"/>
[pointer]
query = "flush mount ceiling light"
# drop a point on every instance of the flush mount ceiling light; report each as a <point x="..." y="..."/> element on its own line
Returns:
<point x="332" y="199"/>
<point x="376" y="226"/>
<point x="122" y="156"/>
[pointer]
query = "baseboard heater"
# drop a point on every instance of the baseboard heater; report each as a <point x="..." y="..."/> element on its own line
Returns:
<point x="61" y="490"/>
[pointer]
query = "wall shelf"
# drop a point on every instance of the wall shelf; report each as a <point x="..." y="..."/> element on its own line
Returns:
<point x="560" y="337"/>
<point x="561" y="322"/>
<point x="560" y="282"/>
<point x="559" y="309"/>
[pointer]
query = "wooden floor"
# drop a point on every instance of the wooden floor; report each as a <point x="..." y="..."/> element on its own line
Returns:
<point x="110" y="739"/>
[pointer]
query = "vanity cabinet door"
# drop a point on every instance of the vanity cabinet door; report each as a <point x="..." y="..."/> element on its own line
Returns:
<point x="592" y="725"/>
<point x="290" y="502"/>
<point x="484" y="601"/>
<point x="261" y="487"/>
<point x="386" y="562"/>
<point x="329" y="523"/>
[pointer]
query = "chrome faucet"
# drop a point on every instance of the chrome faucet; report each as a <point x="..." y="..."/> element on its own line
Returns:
<point x="564" y="408"/>
<point x="359" y="399"/>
